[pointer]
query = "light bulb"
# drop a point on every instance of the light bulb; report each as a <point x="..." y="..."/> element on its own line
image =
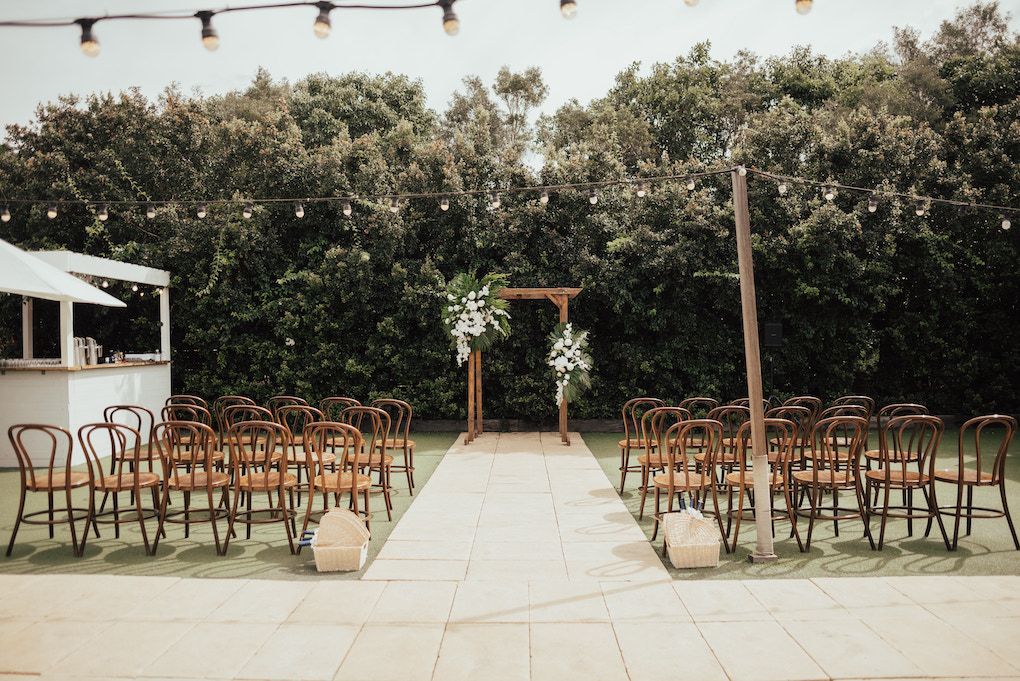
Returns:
<point x="782" y="187"/>
<point x="150" y="211"/>
<point x="5" y="214"/>
<point x="394" y="204"/>
<point x="210" y="38"/>
<point x="141" y="294"/>
<point x="51" y="211"/>
<point x="830" y="193"/>
<point x="103" y="213"/>
<point x="106" y="284"/>
<point x="494" y="201"/>
<point x="741" y="170"/>
<point x="593" y="197"/>
<point x="804" y="6"/>
<point x="247" y="211"/>
<point x="641" y="191"/>
<point x="202" y="211"/>
<point x="299" y="210"/>
<point x="544" y="198"/>
<point x="451" y="24"/>
<point x="568" y="8"/>
<point x="690" y="185"/>
<point x="1006" y="224"/>
<point x="347" y="208"/>
<point x="872" y="203"/>
<point x="134" y="287"/>
<point x="323" y="26"/>
<point x="89" y="44"/>
<point x="919" y="208"/>
<point x="444" y="205"/>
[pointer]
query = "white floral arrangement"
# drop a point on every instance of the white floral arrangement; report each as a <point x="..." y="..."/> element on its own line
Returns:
<point x="475" y="316"/>
<point x="570" y="362"/>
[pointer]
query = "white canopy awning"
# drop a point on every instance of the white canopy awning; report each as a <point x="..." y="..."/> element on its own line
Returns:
<point x="25" y="274"/>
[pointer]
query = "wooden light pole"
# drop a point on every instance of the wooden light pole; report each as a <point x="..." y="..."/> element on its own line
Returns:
<point x="763" y="550"/>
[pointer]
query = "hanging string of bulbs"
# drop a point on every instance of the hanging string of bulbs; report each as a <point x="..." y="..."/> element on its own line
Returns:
<point x="640" y="187"/>
<point x="321" y="27"/>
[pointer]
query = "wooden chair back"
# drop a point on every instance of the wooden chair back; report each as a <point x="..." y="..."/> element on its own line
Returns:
<point x="332" y="407"/>
<point x="910" y="444"/>
<point x="190" y="442"/>
<point x="782" y="437"/>
<point x="632" y="412"/>
<point x="254" y="447"/>
<point x="332" y="437"/>
<point x="838" y="442"/>
<point x="400" y="413"/>
<point x="802" y="419"/>
<point x="989" y="437"/>
<point x="51" y="446"/>
<point x="681" y="466"/>
<point x="134" y="416"/>
<point x="125" y="445"/>
<point x="862" y="400"/>
<point x="699" y="406"/>
<point x="373" y="424"/>
<point x="277" y="401"/>
<point x="657" y="421"/>
<point x="187" y="412"/>
<point x="186" y="399"/>
<point x="221" y="403"/>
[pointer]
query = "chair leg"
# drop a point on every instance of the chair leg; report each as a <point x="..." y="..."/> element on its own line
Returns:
<point x="49" y="507"/>
<point x="644" y="490"/>
<point x="1005" y="510"/>
<point x="933" y="509"/>
<point x="214" y="520"/>
<point x="791" y="514"/>
<point x="116" y="515"/>
<point x="862" y="508"/>
<point x="17" y="521"/>
<point x="141" y="520"/>
<point x="287" y="520"/>
<point x="368" y="514"/>
<point x="885" y="517"/>
<point x="70" y="521"/>
<point x="835" y="510"/>
<point x="814" y="498"/>
<point x="162" y="520"/>
<point x="959" y="512"/>
<point x="187" y="515"/>
<point x="970" y="507"/>
<point x="740" y="513"/>
<point x="624" y="464"/>
<point x="655" y="525"/>
<point x="232" y="518"/>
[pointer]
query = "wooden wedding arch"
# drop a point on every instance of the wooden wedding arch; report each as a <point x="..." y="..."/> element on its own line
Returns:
<point x="560" y="297"/>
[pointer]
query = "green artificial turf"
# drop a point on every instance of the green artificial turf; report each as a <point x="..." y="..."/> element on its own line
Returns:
<point x="264" y="556"/>
<point x="987" y="551"/>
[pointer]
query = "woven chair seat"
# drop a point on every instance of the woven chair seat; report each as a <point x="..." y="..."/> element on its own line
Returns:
<point x="876" y="455"/>
<point x="110" y="483"/>
<point x="199" y="480"/>
<point x="375" y="459"/>
<point x="191" y="458"/>
<point x="341" y="481"/>
<point x="655" y="460"/>
<point x="970" y="477"/>
<point x="680" y="482"/>
<point x="57" y="481"/>
<point x="720" y="458"/>
<point x="775" y="481"/>
<point x="635" y="443"/>
<point x="400" y="443"/>
<point x="897" y="477"/>
<point x="299" y="458"/>
<point x="826" y="478"/>
<point x="264" y="482"/>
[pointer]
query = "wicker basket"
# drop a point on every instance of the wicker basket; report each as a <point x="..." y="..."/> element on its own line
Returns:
<point x="340" y="542"/>
<point x="692" y="541"/>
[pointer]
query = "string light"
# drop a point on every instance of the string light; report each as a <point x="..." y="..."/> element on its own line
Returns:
<point x="919" y="209"/>
<point x="51" y="211"/>
<point x="544" y="198"/>
<point x="299" y="210"/>
<point x="782" y="188"/>
<point x="89" y="43"/>
<point x="742" y="171"/>
<point x="872" y="203"/>
<point x="202" y="211"/>
<point x="804" y="6"/>
<point x="394" y="204"/>
<point x="5" y="214"/>
<point x="451" y="24"/>
<point x="568" y="8"/>
<point x="323" y="26"/>
<point x="347" y="208"/>
<point x="593" y="196"/>
<point x="830" y="193"/>
<point x="1006" y="224"/>
<point x="641" y="191"/>
<point x="444" y="204"/>
<point x="134" y="287"/>
<point x="150" y="211"/>
<point x="690" y="185"/>
<point x="249" y="209"/>
<point x="494" y="201"/>
<point x="106" y="284"/>
<point x="210" y="38"/>
<point x="104" y="214"/>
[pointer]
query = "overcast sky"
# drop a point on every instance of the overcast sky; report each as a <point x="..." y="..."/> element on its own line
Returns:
<point x="579" y="58"/>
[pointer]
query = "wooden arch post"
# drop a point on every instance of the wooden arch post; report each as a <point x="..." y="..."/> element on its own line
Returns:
<point x="558" y="296"/>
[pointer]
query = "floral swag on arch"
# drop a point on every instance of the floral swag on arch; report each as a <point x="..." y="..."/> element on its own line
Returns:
<point x="570" y="361"/>
<point x="475" y="317"/>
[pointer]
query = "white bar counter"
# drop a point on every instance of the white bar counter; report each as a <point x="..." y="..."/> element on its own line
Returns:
<point x="70" y="397"/>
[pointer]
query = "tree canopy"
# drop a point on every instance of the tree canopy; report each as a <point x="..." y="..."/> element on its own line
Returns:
<point x="901" y="307"/>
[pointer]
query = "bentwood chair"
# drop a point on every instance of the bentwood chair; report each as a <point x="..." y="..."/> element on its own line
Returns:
<point x="277" y="401"/>
<point x="654" y="424"/>
<point x="139" y="419"/>
<point x="54" y="445"/>
<point x="400" y="418"/>
<point x="810" y="402"/>
<point x="321" y="440"/>
<point x="885" y="414"/>
<point x="699" y="406"/>
<point x="186" y="412"/>
<point x="802" y="420"/>
<point x="632" y="411"/>
<point x="186" y="399"/>
<point x="240" y="413"/>
<point x="124" y="444"/>
<point x="194" y="443"/>
<point x="909" y="446"/>
<point x="295" y="418"/>
<point x="837" y="444"/>
<point x="332" y="407"/>
<point x="783" y="437"/>
<point x="683" y="479"/>
<point x="374" y="425"/>
<point x="255" y="448"/>
<point x="183" y="456"/>
<point x="220" y="405"/>
<point x="985" y="471"/>
<point x="858" y="410"/>
<point x="731" y="417"/>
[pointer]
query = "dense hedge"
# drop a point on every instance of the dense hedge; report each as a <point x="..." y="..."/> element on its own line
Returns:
<point x="889" y="304"/>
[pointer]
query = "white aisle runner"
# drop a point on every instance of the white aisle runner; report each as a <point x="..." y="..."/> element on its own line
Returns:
<point x="518" y="507"/>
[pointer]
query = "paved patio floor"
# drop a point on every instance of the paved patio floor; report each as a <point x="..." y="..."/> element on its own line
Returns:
<point x="516" y="561"/>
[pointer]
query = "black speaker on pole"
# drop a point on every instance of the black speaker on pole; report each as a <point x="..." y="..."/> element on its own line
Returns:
<point x="772" y="334"/>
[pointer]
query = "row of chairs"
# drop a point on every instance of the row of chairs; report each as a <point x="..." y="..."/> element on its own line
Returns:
<point x="813" y="453"/>
<point x="256" y="451"/>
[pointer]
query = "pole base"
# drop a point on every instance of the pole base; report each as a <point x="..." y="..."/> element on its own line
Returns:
<point x="763" y="558"/>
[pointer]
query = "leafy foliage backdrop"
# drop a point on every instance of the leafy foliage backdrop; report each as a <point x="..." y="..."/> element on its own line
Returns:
<point x="887" y="304"/>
